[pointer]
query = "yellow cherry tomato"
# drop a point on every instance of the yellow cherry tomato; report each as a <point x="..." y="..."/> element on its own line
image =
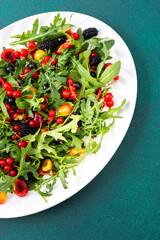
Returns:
<point x="47" y="165"/>
<point x="74" y="151"/>
<point x="32" y="89"/>
<point x="65" y="109"/>
<point x="39" y="54"/>
<point x="3" y="197"/>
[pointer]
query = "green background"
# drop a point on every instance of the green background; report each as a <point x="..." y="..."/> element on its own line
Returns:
<point x="123" y="201"/>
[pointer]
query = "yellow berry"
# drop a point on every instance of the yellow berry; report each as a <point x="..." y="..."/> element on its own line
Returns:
<point x="39" y="54"/>
<point x="3" y="197"/>
<point x="74" y="151"/>
<point x="47" y="165"/>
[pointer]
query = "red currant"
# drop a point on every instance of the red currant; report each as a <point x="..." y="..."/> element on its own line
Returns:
<point x="15" y="116"/>
<point x="7" y="86"/>
<point x="59" y="120"/>
<point x="110" y="103"/>
<point x="30" y="55"/>
<point x="24" y="117"/>
<point x="74" y="95"/>
<point x="54" y="61"/>
<point x="13" y="173"/>
<point x="16" y="128"/>
<point x="93" y="54"/>
<point x="8" y="106"/>
<point x="21" y="76"/>
<point x="7" y="168"/>
<point x="14" y="137"/>
<point x="116" y="78"/>
<point x="16" y="94"/>
<point x="43" y="64"/>
<point x="17" y="54"/>
<point x="26" y="157"/>
<point x="11" y="112"/>
<point x="22" y="144"/>
<point x="69" y="32"/>
<point x="8" y="120"/>
<point x="10" y="161"/>
<point x="43" y="106"/>
<point x="32" y="124"/>
<point x="69" y="82"/>
<point x="24" y="52"/>
<point x="106" y="65"/>
<point x="72" y="88"/>
<point x="50" y="119"/>
<point x="2" y="162"/>
<point x="10" y="93"/>
<point x="108" y="97"/>
<point x="65" y="93"/>
<point x="47" y="58"/>
<point x="31" y="45"/>
<point x="35" y="75"/>
<point x="52" y="113"/>
<point x="26" y="70"/>
<point x="18" y="111"/>
<point x="23" y="110"/>
<point x="45" y="99"/>
<point x="19" y="134"/>
<point x="75" y="36"/>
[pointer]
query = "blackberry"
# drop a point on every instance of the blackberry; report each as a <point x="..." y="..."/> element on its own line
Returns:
<point x="89" y="33"/>
<point x="94" y="61"/>
<point x="93" y="74"/>
<point x="25" y="129"/>
<point x="9" y="68"/>
<point x="61" y="39"/>
<point x="49" y="44"/>
<point x="32" y="65"/>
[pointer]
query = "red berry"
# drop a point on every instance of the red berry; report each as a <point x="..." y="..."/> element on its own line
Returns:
<point x="22" y="144"/>
<point x="8" y="120"/>
<point x="19" y="134"/>
<point x="69" y="32"/>
<point x="8" y="55"/>
<point x="69" y="82"/>
<point x="43" y="64"/>
<point x="31" y="45"/>
<point x="23" y="109"/>
<point x="17" y="54"/>
<point x="74" y="95"/>
<point x="30" y="55"/>
<point x="43" y="106"/>
<point x="22" y="75"/>
<point x="7" y="168"/>
<point x="13" y="173"/>
<point x="47" y="58"/>
<point x="54" y="61"/>
<point x="106" y="65"/>
<point x="2" y="162"/>
<point x="59" y="120"/>
<point x="15" y="116"/>
<point x="108" y="97"/>
<point x="79" y="53"/>
<point x="50" y="119"/>
<point x="24" y="117"/>
<point x="26" y="157"/>
<point x="110" y="103"/>
<point x="31" y="124"/>
<point x="18" y="111"/>
<point x="10" y="161"/>
<point x="14" y="137"/>
<point x="21" y="188"/>
<point x="52" y="113"/>
<point x="7" y="86"/>
<point x="8" y="106"/>
<point x="16" y="94"/>
<point x="72" y="88"/>
<point x="10" y="93"/>
<point x="116" y="78"/>
<point x="26" y="70"/>
<point x="65" y="93"/>
<point x="35" y="75"/>
<point x="93" y="68"/>
<point x="11" y="112"/>
<point x="75" y="36"/>
<point x="45" y="99"/>
<point x="93" y="54"/>
<point x="24" y="52"/>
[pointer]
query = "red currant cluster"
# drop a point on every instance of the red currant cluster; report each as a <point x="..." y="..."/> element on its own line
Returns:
<point x="10" y="92"/>
<point x="108" y="100"/>
<point x="70" y="91"/>
<point x="15" y="113"/>
<point x="27" y="70"/>
<point x="47" y="59"/>
<point x="72" y="34"/>
<point x="7" y="166"/>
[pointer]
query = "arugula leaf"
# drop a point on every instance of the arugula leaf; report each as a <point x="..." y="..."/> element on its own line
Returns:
<point x="110" y="73"/>
<point x="62" y="178"/>
<point x="3" y="108"/>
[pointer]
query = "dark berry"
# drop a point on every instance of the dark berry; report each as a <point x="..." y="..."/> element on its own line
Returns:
<point x="93" y="74"/>
<point x="21" y="83"/>
<point x="31" y="177"/>
<point x="92" y="104"/>
<point x="49" y="44"/>
<point x="9" y="68"/>
<point x="77" y="85"/>
<point x="94" y="61"/>
<point x="25" y="129"/>
<point x="11" y="100"/>
<point x="46" y="86"/>
<point x="79" y="123"/>
<point x="70" y="99"/>
<point x="61" y="39"/>
<point x="32" y="65"/>
<point x="89" y="33"/>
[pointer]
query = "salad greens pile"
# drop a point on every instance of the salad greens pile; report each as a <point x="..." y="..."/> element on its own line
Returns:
<point x="86" y="119"/>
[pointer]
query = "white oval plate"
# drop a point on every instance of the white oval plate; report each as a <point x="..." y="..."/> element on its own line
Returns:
<point x="125" y="87"/>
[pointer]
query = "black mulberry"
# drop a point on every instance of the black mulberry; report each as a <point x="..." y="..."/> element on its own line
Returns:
<point x="90" y="32"/>
<point x="94" y="61"/>
<point x="49" y="44"/>
<point x="25" y="129"/>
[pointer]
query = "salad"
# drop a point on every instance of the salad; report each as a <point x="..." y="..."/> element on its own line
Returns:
<point x="55" y="99"/>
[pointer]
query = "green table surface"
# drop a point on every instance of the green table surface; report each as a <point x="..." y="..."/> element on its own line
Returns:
<point x="123" y="201"/>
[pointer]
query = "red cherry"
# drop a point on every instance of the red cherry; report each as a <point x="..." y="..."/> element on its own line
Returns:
<point x="10" y="161"/>
<point x="21" y="188"/>
<point x="93" y="54"/>
<point x="75" y="36"/>
<point x="108" y="97"/>
<point x="15" y="116"/>
<point x="13" y="173"/>
<point x="16" y="94"/>
<point x="10" y="93"/>
<point x="43" y="106"/>
<point x="50" y="119"/>
<point x="7" y="168"/>
<point x="14" y="137"/>
<point x="72" y="88"/>
<point x="47" y="58"/>
<point x="24" y="52"/>
<point x="43" y="64"/>
<point x="16" y="128"/>
<point x="52" y="113"/>
<point x="31" y="124"/>
<point x="31" y="45"/>
<point x="65" y="93"/>
<point x="22" y="75"/>
<point x="74" y="95"/>
<point x="35" y="75"/>
<point x="17" y="54"/>
<point x="8" y="106"/>
<point x="116" y="78"/>
<point x="7" y="86"/>
<point x="69" y="82"/>
<point x="59" y="120"/>
<point x="26" y="70"/>
<point x="22" y="144"/>
<point x="45" y="99"/>
<point x="54" y="61"/>
<point x="2" y="162"/>
<point x="110" y="103"/>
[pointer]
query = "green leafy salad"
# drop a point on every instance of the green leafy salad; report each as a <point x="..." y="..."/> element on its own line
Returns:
<point x="54" y="100"/>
